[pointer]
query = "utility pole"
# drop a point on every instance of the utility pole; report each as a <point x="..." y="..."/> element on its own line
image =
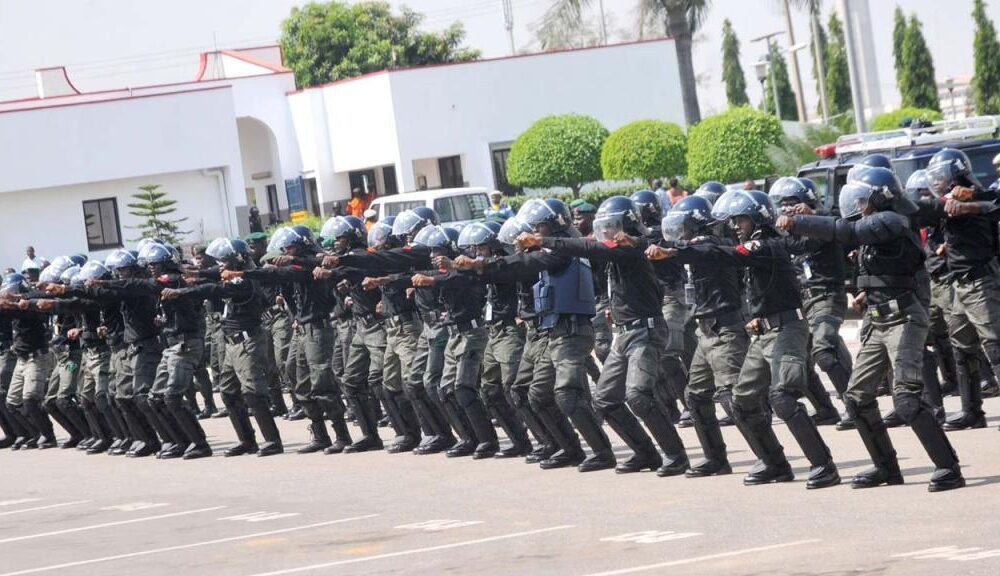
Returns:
<point x="794" y="62"/>
<point x="604" y="23"/>
<point x="508" y="23"/>
<point x="852" y="65"/>
<point x="820" y="67"/>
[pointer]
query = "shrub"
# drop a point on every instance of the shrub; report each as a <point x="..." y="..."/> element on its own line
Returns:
<point x="732" y="146"/>
<point x="645" y="149"/>
<point x="895" y="119"/>
<point x="563" y="150"/>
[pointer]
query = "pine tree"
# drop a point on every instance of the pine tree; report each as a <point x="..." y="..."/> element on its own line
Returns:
<point x="153" y="207"/>
<point x="919" y="88"/>
<point x="986" y="48"/>
<point x="898" y="35"/>
<point x="732" y="71"/>
<point x="786" y="97"/>
<point x="838" y="76"/>
<point x="823" y="41"/>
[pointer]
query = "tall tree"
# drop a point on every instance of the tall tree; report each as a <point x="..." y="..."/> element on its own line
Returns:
<point x="919" y="88"/>
<point x="732" y="70"/>
<point x="838" y="77"/>
<point x="986" y="48"/>
<point x="819" y="60"/>
<point x="898" y="36"/>
<point x="323" y="42"/>
<point x="154" y="208"/>
<point x="786" y="98"/>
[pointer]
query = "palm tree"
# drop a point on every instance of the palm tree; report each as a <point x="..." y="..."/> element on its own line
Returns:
<point x="681" y="18"/>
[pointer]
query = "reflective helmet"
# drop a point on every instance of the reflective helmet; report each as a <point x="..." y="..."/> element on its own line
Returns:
<point x="879" y="188"/>
<point x="649" y="206"/>
<point x="618" y="214"/>
<point x="949" y="168"/>
<point x="121" y="259"/>
<point x="551" y="211"/>
<point x="230" y="251"/>
<point x="917" y="185"/>
<point x="69" y="274"/>
<point x="381" y="233"/>
<point x="434" y="236"/>
<point x="359" y="226"/>
<point x="811" y="185"/>
<point x="79" y="259"/>
<point x="289" y="236"/>
<point x="340" y="227"/>
<point x="478" y="234"/>
<point x="791" y="188"/>
<point x="511" y="229"/>
<point x="146" y="242"/>
<point x="153" y="253"/>
<point x="92" y="270"/>
<point x="409" y="222"/>
<point x="724" y="206"/>
<point x="711" y="191"/>
<point x="53" y="271"/>
<point x="14" y="283"/>
<point x="452" y="234"/>
<point x="877" y="161"/>
<point x="751" y="203"/>
<point x="688" y="218"/>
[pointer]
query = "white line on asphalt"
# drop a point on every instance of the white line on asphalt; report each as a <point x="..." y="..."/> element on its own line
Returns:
<point x="108" y="524"/>
<point x="413" y="551"/>
<point x="184" y="546"/>
<point x="18" y="501"/>
<point x="703" y="558"/>
<point x="44" y="507"/>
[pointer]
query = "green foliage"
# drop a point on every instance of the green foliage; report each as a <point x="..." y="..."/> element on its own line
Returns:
<point x="918" y="86"/>
<point x="645" y="149"/>
<point x="786" y="98"/>
<point x="324" y="42"/>
<point x="895" y="119"/>
<point x="312" y="222"/>
<point x="838" y="77"/>
<point x="595" y="196"/>
<point x="986" y="48"/>
<point x="820" y="38"/>
<point x="154" y="207"/>
<point x="732" y="146"/>
<point x="898" y="36"/>
<point x="561" y="150"/>
<point x="732" y="71"/>
<point x="791" y="153"/>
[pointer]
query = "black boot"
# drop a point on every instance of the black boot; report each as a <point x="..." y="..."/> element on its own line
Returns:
<point x="7" y="426"/>
<point x="482" y="427"/>
<point x="439" y="436"/>
<point x="466" y="444"/>
<point x="72" y="413"/>
<point x="24" y="430"/>
<point x="569" y="452"/>
<point x="948" y="474"/>
<point x="823" y="472"/>
<point x="826" y="414"/>
<point x="625" y="425"/>
<point x="320" y="438"/>
<point x="240" y="420"/>
<point x="334" y="410"/>
<point x="367" y="420"/>
<point x="409" y="433"/>
<point x="46" y="436"/>
<point x="670" y="443"/>
<point x="98" y="431"/>
<point x="873" y="433"/>
<point x="75" y="436"/>
<point x="772" y="466"/>
<point x="892" y="420"/>
<point x="188" y="422"/>
<point x="967" y="374"/>
<point x="143" y="443"/>
<point x="513" y="428"/>
<point x="706" y="426"/>
<point x="586" y="424"/>
<point x="277" y="399"/>
<point x="725" y="399"/>
<point x="265" y="422"/>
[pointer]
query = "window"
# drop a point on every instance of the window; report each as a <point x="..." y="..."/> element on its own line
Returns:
<point x="274" y="211"/>
<point x="363" y="180"/>
<point x="394" y="208"/>
<point x="450" y="170"/>
<point x="500" y="156"/>
<point x="101" y="220"/>
<point x="389" y="180"/>
<point x="461" y="208"/>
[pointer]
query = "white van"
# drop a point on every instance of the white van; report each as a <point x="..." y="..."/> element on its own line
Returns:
<point x="455" y="206"/>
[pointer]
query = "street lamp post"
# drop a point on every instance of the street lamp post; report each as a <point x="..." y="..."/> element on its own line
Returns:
<point x="949" y="83"/>
<point x="766" y="60"/>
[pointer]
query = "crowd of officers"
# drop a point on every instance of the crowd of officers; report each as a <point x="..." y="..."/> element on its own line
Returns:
<point x="641" y="314"/>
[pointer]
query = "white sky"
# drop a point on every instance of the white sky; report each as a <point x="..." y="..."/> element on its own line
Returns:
<point x="113" y="43"/>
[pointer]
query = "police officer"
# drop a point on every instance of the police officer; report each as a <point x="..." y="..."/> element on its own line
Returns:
<point x="775" y="365"/>
<point x="583" y="220"/>
<point x="315" y="385"/>
<point x="8" y="422"/>
<point x="277" y="329"/>
<point x="243" y="381"/>
<point x="631" y="371"/>
<point x="874" y="212"/>
<point x="722" y="337"/>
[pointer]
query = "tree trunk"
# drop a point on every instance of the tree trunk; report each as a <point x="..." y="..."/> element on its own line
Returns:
<point x="679" y="29"/>
<point x="576" y="190"/>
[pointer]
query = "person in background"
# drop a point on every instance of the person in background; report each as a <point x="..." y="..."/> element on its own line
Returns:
<point x="498" y="206"/>
<point x="255" y="223"/>
<point x="656" y="185"/>
<point x="749" y="185"/>
<point x="358" y="203"/>
<point x="371" y="219"/>
<point x="675" y="192"/>
<point x="337" y="209"/>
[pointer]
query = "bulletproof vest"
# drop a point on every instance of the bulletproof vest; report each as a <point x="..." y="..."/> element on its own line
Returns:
<point x="888" y="268"/>
<point x="566" y="291"/>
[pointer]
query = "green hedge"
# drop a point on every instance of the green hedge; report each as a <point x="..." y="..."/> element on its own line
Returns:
<point x="595" y="197"/>
<point x="895" y="119"/>
<point x="645" y="149"/>
<point x="563" y="150"/>
<point x="733" y="146"/>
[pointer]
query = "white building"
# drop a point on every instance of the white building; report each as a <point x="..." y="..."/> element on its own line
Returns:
<point x="240" y="134"/>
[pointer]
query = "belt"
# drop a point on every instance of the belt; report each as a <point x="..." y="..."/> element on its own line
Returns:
<point x="368" y="320"/>
<point x="977" y="273"/>
<point x="469" y="325"/>
<point x="636" y="325"/>
<point x="779" y="319"/>
<point x="35" y="354"/>
<point x="400" y="319"/>
<point x="885" y="282"/>
<point x="241" y="337"/>
<point x="710" y="323"/>
<point x="893" y="309"/>
<point x="818" y="290"/>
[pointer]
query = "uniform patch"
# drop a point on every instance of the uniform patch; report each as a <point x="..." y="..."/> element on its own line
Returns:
<point x="749" y="247"/>
<point x="610" y="243"/>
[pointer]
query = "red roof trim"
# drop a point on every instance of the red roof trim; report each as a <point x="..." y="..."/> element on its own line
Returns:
<point x="68" y="104"/>
<point x="254" y="61"/>
<point x="495" y="59"/>
<point x="202" y="64"/>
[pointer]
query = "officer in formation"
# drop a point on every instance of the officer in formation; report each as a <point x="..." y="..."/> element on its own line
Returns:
<point x="544" y="325"/>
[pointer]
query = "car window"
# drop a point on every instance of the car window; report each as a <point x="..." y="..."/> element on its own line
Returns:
<point x="394" y="208"/>
<point x="982" y="163"/>
<point x="444" y="209"/>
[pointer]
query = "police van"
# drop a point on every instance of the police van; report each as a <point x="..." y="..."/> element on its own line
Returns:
<point x="455" y="206"/>
<point x="909" y="149"/>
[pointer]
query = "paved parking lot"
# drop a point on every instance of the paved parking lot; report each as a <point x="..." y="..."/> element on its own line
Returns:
<point x="69" y="513"/>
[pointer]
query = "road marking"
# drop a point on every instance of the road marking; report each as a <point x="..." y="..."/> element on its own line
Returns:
<point x="950" y="553"/>
<point x="108" y="524"/>
<point x="184" y="546"/>
<point x="703" y="558"/>
<point x="438" y="525"/>
<point x="136" y="506"/>
<point x="260" y="516"/>
<point x="11" y="512"/>
<point x="413" y="551"/>
<point x="650" y="536"/>
<point x="21" y="501"/>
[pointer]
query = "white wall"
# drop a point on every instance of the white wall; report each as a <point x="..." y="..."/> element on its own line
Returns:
<point x="258" y="151"/>
<point x="360" y="123"/>
<point x="51" y="219"/>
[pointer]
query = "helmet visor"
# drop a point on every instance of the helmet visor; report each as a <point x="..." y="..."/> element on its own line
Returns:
<point x="940" y="178"/>
<point x="222" y="249"/>
<point x="475" y="235"/>
<point x="857" y="172"/>
<point x="730" y="203"/>
<point x="406" y="223"/>
<point x="379" y="235"/>
<point x="608" y="226"/>
<point x="282" y="238"/>
<point x="534" y="213"/>
<point x="678" y="225"/>
<point x="511" y="229"/>
<point x="854" y="199"/>
<point x="92" y="270"/>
